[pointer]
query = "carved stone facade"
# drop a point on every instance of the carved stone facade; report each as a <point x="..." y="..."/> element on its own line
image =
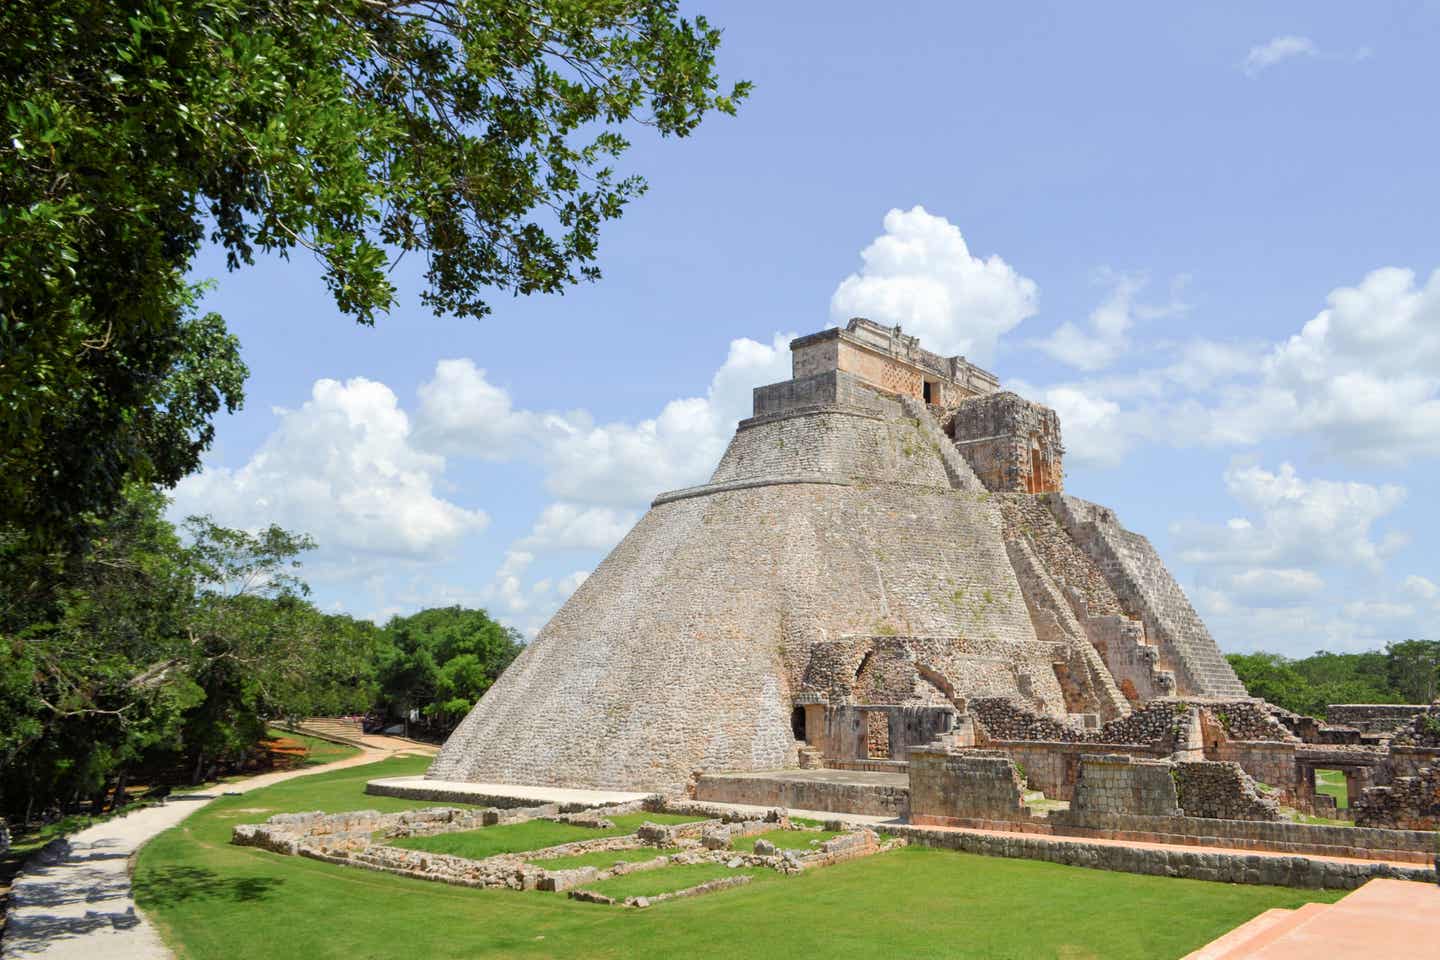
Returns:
<point x="1012" y="444"/>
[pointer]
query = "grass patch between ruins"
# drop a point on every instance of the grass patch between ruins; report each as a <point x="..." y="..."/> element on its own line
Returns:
<point x="1332" y="784"/>
<point x="214" y="900"/>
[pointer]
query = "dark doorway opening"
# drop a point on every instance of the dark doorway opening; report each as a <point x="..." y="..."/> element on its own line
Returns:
<point x="929" y="393"/>
<point x="797" y="723"/>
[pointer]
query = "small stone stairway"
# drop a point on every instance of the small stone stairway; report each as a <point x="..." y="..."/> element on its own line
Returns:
<point x="343" y="729"/>
<point x="1383" y="919"/>
<point x="1249" y="938"/>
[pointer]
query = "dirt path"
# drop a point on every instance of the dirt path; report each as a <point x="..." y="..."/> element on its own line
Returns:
<point x="78" y="905"/>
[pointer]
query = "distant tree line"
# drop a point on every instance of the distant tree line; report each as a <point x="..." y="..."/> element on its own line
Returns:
<point x="1405" y="672"/>
<point x="158" y="656"/>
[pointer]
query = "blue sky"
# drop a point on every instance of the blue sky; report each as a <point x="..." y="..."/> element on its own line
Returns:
<point x="1205" y="235"/>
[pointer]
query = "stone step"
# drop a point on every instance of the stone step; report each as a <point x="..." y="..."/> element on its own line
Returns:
<point x="1231" y="943"/>
<point x="1248" y="939"/>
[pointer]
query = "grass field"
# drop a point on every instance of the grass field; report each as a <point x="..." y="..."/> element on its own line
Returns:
<point x="1332" y="783"/>
<point x="215" y="900"/>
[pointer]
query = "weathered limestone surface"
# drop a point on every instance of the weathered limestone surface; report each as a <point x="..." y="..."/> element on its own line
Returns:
<point x="1408" y="803"/>
<point x="1012" y="444"/>
<point x="1148" y="591"/>
<point x="683" y="649"/>
<point x="1221" y="790"/>
<point x="1238" y="867"/>
<point x="1118" y="783"/>
<point x="971" y="784"/>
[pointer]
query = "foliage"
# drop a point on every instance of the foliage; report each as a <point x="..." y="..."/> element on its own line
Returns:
<point x="214" y="899"/>
<point x="142" y="652"/>
<point x="477" y="133"/>
<point x="1398" y="674"/>
<point x="440" y="661"/>
<point x="1414" y="669"/>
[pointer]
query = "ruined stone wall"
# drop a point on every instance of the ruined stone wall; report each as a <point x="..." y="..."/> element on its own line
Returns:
<point x="1423" y="730"/>
<point x="1224" y="867"/>
<point x="685" y="648"/>
<point x="929" y="670"/>
<point x="1146" y="590"/>
<point x="1408" y="803"/>
<point x="1374" y="717"/>
<point x="850" y="732"/>
<point x="1119" y="783"/>
<point x="947" y="785"/>
<point x="1269" y="762"/>
<point x="1157" y="723"/>
<point x="1222" y="791"/>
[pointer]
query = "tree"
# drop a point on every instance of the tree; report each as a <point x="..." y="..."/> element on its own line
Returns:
<point x="147" y="652"/>
<point x="443" y="660"/>
<point x="1414" y="669"/>
<point x="477" y="133"/>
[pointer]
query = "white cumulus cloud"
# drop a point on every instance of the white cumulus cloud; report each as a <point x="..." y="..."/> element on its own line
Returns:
<point x="1295" y="523"/>
<point x="623" y="463"/>
<point x="921" y="275"/>
<point x="344" y="468"/>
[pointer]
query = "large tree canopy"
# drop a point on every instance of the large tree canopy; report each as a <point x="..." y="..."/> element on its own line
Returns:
<point x="477" y="133"/>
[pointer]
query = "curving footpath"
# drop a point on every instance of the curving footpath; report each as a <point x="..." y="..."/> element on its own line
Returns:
<point x="73" y="899"/>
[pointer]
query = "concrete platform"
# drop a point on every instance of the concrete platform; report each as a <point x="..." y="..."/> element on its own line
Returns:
<point x="834" y="791"/>
<point x="495" y="794"/>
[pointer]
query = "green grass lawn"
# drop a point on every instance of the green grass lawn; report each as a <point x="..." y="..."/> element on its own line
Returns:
<point x="604" y="858"/>
<point x="784" y="839"/>
<point x="215" y="900"/>
<point x="1332" y="783"/>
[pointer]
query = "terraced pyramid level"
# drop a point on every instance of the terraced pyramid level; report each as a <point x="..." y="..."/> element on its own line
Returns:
<point x="885" y="537"/>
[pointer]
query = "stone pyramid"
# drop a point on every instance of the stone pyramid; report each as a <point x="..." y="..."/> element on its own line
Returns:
<point x="887" y="531"/>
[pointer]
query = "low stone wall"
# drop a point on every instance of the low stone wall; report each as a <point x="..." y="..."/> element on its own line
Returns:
<point x="1374" y="717"/>
<point x="869" y="799"/>
<point x="1408" y="803"/>
<point x="1287" y="871"/>
<point x="1117" y="783"/>
<point x="1221" y="790"/>
<point x="1276" y="836"/>
<point x="1268" y="762"/>
<point x="946" y="785"/>
<point x="1053" y="767"/>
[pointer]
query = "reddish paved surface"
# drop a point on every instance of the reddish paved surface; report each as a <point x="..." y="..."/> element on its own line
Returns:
<point x="1382" y="920"/>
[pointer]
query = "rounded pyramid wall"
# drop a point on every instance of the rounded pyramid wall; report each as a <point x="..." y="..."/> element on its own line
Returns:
<point x="682" y="651"/>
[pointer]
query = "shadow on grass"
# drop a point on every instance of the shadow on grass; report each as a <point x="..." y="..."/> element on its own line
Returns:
<point x="169" y="886"/>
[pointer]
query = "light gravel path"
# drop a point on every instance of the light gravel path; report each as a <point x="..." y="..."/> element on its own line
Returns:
<point x="78" y="906"/>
